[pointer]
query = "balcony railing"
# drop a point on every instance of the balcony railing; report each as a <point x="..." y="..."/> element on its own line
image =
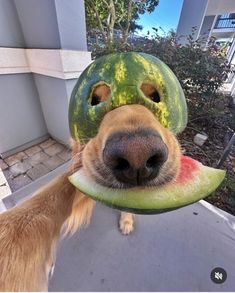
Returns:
<point x="225" y="23"/>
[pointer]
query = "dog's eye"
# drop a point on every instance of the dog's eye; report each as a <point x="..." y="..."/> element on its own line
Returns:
<point x="100" y="93"/>
<point x="151" y="92"/>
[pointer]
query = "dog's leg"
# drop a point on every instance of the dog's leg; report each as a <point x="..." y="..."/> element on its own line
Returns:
<point x="126" y="223"/>
<point x="81" y="213"/>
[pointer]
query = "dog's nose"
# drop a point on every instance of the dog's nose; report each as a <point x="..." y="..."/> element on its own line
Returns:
<point x="135" y="157"/>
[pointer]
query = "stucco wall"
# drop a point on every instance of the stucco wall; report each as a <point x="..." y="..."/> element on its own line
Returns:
<point x="192" y="15"/>
<point x="33" y="105"/>
<point x="206" y="26"/>
<point x="10" y="31"/>
<point x="71" y="24"/>
<point x="220" y="7"/>
<point x="54" y="100"/>
<point x="21" y="119"/>
<point x="39" y="23"/>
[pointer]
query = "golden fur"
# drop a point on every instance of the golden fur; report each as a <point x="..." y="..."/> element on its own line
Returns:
<point x="128" y="119"/>
<point x="29" y="232"/>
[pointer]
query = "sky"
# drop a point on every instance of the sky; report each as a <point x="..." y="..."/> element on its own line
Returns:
<point x="166" y="15"/>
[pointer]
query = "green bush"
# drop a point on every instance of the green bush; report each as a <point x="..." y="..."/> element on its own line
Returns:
<point x="116" y="46"/>
<point x="201" y="68"/>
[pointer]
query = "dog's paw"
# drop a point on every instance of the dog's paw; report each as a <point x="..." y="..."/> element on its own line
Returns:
<point x="126" y="223"/>
<point x="126" y="228"/>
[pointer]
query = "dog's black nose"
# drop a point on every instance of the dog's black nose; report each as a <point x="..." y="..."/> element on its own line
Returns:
<point x="135" y="157"/>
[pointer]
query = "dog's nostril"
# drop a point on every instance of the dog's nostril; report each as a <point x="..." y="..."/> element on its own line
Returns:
<point x="122" y="164"/>
<point x="152" y="162"/>
<point x="156" y="160"/>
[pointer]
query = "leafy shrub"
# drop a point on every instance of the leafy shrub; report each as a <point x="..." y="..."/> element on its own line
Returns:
<point x="116" y="46"/>
<point x="201" y="68"/>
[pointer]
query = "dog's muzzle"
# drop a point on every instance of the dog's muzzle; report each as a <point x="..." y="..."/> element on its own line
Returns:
<point x="135" y="157"/>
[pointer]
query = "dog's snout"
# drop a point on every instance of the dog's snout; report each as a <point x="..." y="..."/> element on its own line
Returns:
<point x="135" y="157"/>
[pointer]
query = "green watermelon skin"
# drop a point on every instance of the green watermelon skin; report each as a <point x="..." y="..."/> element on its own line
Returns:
<point x="125" y="73"/>
<point x="194" y="182"/>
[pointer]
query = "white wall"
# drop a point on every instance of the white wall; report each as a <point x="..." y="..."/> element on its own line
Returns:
<point x="220" y="7"/>
<point x="207" y="24"/>
<point x="21" y="119"/>
<point x="10" y="31"/>
<point x="192" y="14"/>
<point x="35" y="35"/>
<point x="38" y="23"/>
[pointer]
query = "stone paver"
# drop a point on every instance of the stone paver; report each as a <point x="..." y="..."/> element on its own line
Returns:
<point x="54" y="149"/>
<point x="4" y="191"/>
<point x="2" y="206"/>
<point x="3" y="179"/>
<point x="38" y="171"/>
<point x="37" y="158"/>
<point x="53" y="162"/>
<point x="19" y="181"/>
<point x="8" y="174"/>
<point x="3" y="165"/>
<point x="33" y="150"/>
<point x="24" y="167"/>
<point x="20" y="168"/>
<point x="47" y="143"/>
<point x="15" y="158"/>
<point x="65" y="155"/>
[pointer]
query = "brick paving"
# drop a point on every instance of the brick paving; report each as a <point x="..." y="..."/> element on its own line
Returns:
<point x="33" y="150"/>
<point x="4" y="187"/>
<point x="3" y="165"/>
<point x="18" y="182"/>
<point x="15" y="158"/>
<point x="54" y="149"/>
<point x="65" y="155"/>
<point x="38" y="171"/>
<point x="19" y="168"/>
<point x="26" y="166"/>
<point x="39" y="157"/>
<point x="54" y="162"/>
<point x="47" y="143"/>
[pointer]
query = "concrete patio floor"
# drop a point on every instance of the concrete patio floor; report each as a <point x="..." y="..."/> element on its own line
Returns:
<point x="175" y="251"/>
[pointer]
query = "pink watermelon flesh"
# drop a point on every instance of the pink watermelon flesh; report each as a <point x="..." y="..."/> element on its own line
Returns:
<point x="194" y="182"/>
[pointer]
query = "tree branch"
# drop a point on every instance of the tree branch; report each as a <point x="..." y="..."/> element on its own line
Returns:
<point x="111" y="20"/>
<point x="100" y="25"/>
<point x="129" y="15"/>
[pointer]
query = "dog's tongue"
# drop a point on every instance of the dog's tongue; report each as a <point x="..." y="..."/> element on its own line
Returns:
<point x="194" y="182"/>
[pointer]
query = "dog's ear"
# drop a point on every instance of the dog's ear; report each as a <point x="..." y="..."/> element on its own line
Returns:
<point x="76" y="150"/>
<point x="75" y="146"/>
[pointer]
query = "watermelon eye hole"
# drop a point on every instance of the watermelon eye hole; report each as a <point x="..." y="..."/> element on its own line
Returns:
<point x="95" y="100"/>
<point x="150" y="92"/>
<point x="100" y="93"/>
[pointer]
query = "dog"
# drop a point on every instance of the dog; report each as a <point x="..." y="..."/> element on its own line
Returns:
<point x="131" y="149"/>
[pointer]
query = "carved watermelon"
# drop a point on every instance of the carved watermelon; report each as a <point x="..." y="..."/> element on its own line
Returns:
<point x="194" y="182"/>
<point x="124" y="73"/>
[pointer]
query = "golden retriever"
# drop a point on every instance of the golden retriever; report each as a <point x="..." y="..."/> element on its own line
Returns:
<point x="131" y="149"/>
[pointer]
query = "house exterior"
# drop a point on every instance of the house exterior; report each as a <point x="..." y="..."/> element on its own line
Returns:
<point x="211" y="18"/>
<point x="43" y="50"/>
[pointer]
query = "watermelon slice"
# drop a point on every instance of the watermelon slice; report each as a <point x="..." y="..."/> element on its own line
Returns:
<point x="194" y="182"/>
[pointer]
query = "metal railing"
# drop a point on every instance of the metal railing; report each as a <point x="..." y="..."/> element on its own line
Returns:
<point x="227" y="22"/>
